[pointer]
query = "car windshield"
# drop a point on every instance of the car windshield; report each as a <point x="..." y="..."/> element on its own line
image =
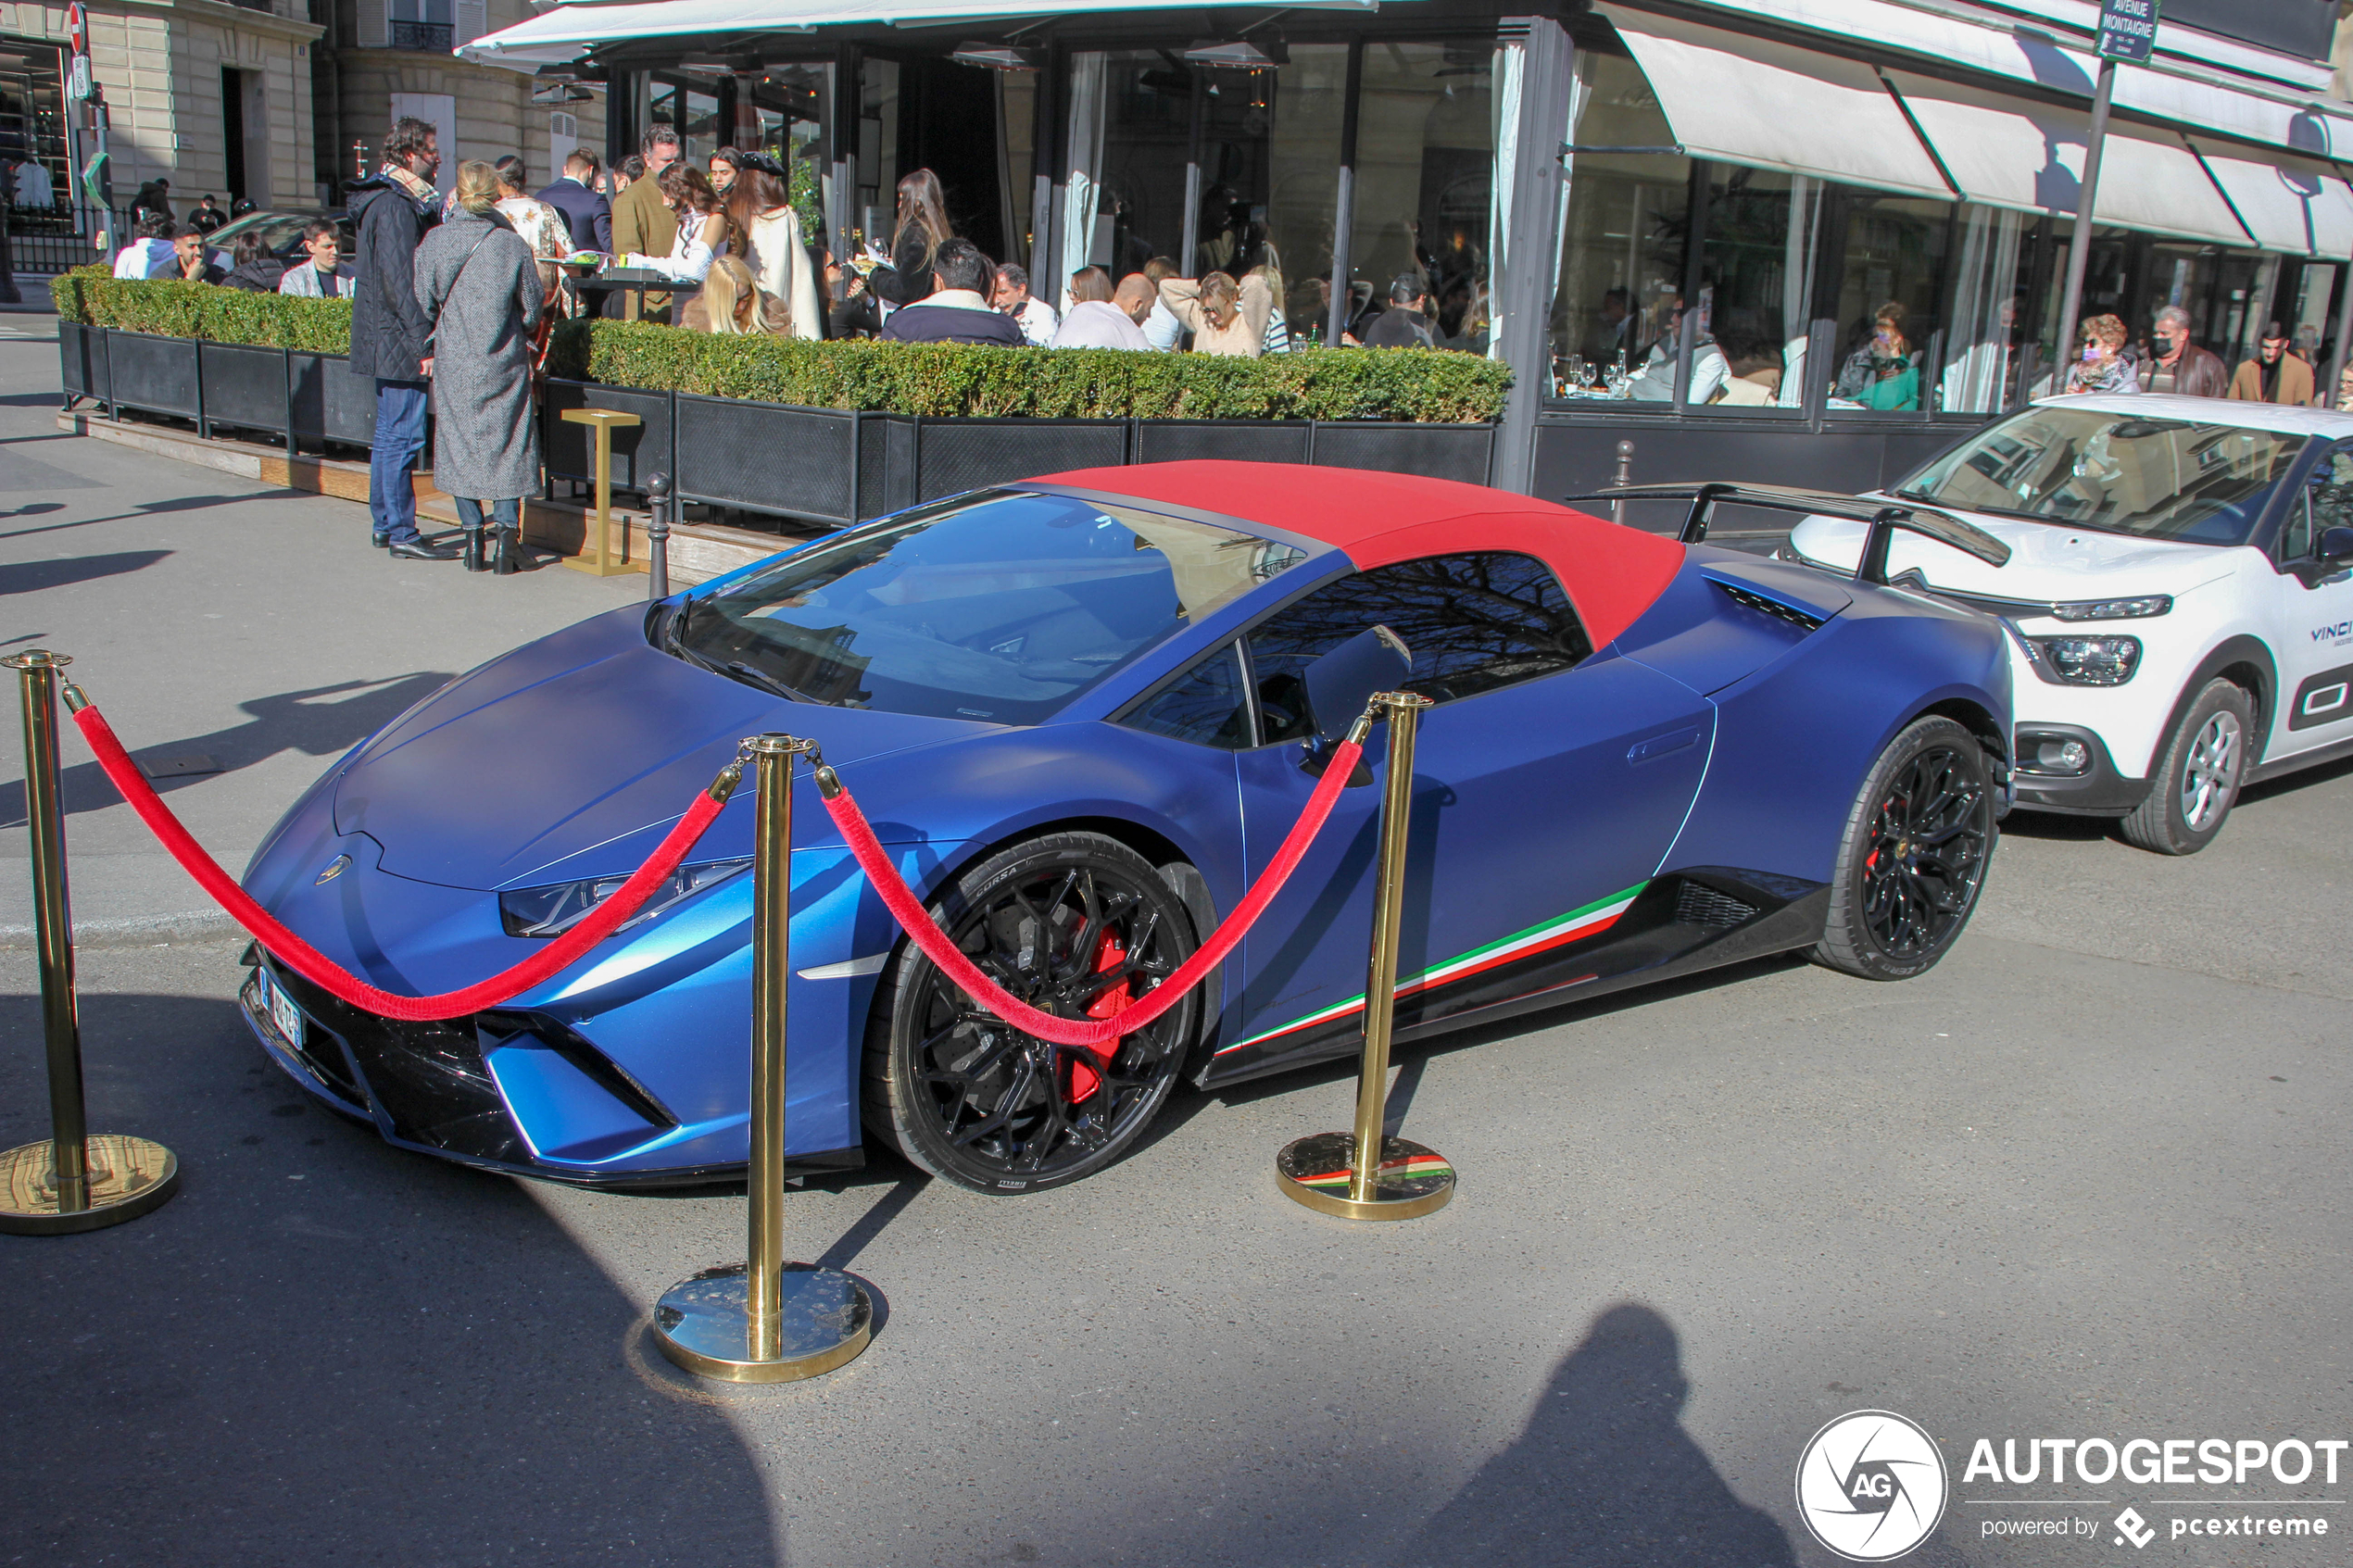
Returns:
<point x="2121" y="473"/>
<point x="1000" y="608"/>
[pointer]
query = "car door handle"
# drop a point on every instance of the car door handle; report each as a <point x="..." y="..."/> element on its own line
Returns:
<point x="1651" y="750"/>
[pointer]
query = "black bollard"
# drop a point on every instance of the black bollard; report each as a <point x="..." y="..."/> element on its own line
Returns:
<point x="658" y="536"/>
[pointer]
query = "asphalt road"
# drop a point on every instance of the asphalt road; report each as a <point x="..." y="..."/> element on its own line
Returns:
<point x="2083" y="1181"/>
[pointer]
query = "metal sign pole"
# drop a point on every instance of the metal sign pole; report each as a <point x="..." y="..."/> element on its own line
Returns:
<point x="70" y="1181"/>
<point x="1365" y="1174"/>
<point x="2079" y="247"/>
<point x="767" y="1320"/>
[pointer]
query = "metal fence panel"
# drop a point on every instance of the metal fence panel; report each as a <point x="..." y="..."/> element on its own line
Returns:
<point x="158" y="374"/>
<point x="1254" y="441"/>
<point x="956" y="454"/>
<point x="1460" y="452"/>
<point x="768" y="457"/>
<point x="245" y="387"/>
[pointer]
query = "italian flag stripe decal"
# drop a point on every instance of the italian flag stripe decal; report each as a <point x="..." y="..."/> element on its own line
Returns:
<point x="1574" y="926"/>
<point x="1404" y="1170"/>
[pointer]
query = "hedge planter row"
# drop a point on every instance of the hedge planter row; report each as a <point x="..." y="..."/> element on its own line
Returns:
<point x="831" y="466"/>
<point x="837" y="466"/>
<point x="286" y="393"/>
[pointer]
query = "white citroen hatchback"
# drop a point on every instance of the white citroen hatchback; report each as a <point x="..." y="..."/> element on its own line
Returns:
<point x="2178" y="596"/>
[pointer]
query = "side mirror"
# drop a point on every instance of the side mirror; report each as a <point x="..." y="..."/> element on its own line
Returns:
<point x="1341" y="681"/>
<point x="2337" y="544"/>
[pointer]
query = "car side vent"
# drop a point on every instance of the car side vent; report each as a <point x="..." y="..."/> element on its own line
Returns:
<point x="1773" y="607"/>
<point x="1701" y="906"/>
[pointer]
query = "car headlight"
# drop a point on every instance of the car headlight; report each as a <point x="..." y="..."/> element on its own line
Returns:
<point x="556" y="908"/>
<point x="2137" y="608"/>
<point x="2091" y="662"/>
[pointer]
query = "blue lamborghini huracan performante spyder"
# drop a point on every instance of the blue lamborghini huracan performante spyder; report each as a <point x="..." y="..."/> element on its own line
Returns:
<point x="1076" y="711"/>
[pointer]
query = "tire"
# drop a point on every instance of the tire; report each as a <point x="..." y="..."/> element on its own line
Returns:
<point x="1912" y="861"/>
<point x="2196" y="778"/>
<point x="964" y="1096"/>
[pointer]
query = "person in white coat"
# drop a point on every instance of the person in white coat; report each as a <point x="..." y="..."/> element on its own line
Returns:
<point x="760" y="209"/>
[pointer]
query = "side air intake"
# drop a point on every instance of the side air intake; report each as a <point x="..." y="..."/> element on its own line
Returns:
<point x="1774" y="607"/>
<point x="1696" y="904"/>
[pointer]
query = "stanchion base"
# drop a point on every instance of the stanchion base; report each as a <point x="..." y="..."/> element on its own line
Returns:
<point x="700" y="1323"/>
<point x="1414" y="1181"/>
<point x="127" y="1177"/>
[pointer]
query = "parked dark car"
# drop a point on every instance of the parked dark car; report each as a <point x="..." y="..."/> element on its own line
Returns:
<point x="281" y="230"/>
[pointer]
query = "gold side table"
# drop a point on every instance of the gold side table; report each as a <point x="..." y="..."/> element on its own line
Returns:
<point x="596" y="556"/>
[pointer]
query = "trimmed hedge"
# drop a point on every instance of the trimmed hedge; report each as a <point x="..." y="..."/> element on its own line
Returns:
<point x="175" y="307"/>
<point x="933" y="380"/>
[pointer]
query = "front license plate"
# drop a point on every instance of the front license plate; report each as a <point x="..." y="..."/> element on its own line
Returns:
<point x="283" y="1011"/>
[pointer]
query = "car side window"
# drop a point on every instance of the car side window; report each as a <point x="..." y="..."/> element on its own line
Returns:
<point x="2331" y="494"/>
<point x="2296" y="534"/>
<point x="1475" y="622"/>
<point x="1206" y="705"/>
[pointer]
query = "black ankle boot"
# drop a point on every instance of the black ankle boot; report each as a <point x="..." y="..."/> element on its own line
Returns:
<point x="473" y="549"/>
<point x="510" y="551"/>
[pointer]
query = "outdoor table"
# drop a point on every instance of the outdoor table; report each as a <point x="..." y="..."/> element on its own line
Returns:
<point x="604" y="422"/>
<point x="642" y="280"/>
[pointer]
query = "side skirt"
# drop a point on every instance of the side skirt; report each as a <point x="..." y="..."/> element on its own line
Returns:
<point x="1700" y="918"/>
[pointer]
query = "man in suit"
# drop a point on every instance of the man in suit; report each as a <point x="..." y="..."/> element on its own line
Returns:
<point x="642" y="222"/>
<point x="588" y="214"/>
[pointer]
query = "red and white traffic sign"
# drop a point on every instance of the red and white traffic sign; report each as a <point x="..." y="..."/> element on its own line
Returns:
<point x="78" y="27"/>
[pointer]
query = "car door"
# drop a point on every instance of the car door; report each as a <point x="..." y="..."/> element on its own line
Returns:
<point x="2312" y="621"/>
<point x="1550" y="785"/>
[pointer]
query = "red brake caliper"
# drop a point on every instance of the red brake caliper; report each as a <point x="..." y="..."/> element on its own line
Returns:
<point x="1110" y="953"/>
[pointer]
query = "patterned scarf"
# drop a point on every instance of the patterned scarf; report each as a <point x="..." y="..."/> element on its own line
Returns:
<point x="419" y="191"/>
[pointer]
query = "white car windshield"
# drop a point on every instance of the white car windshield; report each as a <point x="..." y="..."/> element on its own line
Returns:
<point x="2121" y="473"/>
<point x="1000" y="608"/>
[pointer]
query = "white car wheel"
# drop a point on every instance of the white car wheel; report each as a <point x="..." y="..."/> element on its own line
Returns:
<point x="2197" y="779"/>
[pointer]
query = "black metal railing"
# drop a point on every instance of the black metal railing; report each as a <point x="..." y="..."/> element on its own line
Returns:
<point x="433" y="38"/>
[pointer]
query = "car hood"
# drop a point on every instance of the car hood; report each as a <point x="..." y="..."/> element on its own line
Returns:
<point x="2047" y="560"/>
<point x="542" y="764"/>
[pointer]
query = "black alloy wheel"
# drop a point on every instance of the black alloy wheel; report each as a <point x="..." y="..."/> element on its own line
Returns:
<point x="1913" y="859"/>
<point x="1065" y="923"/>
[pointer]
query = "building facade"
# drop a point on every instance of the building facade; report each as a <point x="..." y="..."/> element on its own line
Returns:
<point x="1706" y="226"/>
<point x="387" y="58"/>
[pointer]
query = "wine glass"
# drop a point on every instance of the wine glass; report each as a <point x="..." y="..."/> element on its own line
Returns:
<point x="1577" y="372"/>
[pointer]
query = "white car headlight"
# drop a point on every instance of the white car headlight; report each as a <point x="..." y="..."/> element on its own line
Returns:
<point x="2135" y="609"/>
<point x="2089" y="661"/>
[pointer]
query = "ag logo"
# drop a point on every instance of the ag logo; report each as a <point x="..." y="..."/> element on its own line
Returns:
<point x="1870" y="1485"/>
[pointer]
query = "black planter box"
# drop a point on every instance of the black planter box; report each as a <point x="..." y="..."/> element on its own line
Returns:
<point x="952" y="456"/>
<point x="82" y="361"/>
<point x="1460" y="452"/>
<point x="158" y="374"/>
<point x="570" y="450"/>
<point x="329" y="403"/>
<point x="767" y="458"/>
<point x="244" y="387"/>
<point x="1250" y="441"/>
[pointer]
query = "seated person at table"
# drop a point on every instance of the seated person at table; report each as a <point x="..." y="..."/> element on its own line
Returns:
<point x="731" y="300"/>
<point x="1099" y="318"/>
<point x="149" y="250"/>
<point x="957" y="309"/>
<point x="324" y="275"/>
<point x="190" y="259"/>
<point x="252" y="268"/>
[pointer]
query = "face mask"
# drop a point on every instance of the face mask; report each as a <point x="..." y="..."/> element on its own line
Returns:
<point x="2091" y="352"/>
<point x="2164" y="345"/>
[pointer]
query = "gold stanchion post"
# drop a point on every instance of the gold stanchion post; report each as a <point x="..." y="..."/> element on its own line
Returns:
<point x="72" y="1181"/>
<point x="1365" y="1174"/>
<point x="767" y="1320"/>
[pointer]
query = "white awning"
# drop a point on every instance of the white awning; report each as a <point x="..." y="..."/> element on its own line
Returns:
<point x="1772" y="106"/>
<point x="587" y="22"/>
<point x="2257" y="112"/>
<point x="2291" y="205"/>
<point x="2010" y="152"/>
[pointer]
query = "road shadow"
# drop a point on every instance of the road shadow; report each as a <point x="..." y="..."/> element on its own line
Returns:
<point x="325" y="1348"/>
<point x="299" y="721"/>
<point x="34" y="576"/>
<point x="1603" y="1475"/>
<point x="2056" y="828"/>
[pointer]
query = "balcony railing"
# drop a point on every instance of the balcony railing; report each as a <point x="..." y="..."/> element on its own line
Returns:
<point x="433" y="38"/>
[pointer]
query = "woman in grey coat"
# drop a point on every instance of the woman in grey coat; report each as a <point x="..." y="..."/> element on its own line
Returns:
<point x="477" y="282"/>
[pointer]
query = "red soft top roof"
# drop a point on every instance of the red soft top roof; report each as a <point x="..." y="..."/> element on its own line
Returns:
<point x="1612" y="573"/>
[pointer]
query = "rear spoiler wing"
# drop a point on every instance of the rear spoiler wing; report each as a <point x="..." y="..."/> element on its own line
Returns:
<point x="1884" y="517"/>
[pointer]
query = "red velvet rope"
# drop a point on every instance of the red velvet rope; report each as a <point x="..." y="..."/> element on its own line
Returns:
<point x="307" y="962"/>
<point x="1094" y="1036"/>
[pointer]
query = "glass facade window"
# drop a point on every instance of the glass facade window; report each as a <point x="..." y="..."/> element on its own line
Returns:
<point x="1991" y="277"/>
<point x="1147" y="141"/>
<point x="691" y="109"/>
<point x="1887" y="268"/>
<point x="1270" y="175"/>
<point x="36" y="173"/>
<point x="1425" y="183"/>
<point x="1621" y="264"/>
<point x="877" y="208"/>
